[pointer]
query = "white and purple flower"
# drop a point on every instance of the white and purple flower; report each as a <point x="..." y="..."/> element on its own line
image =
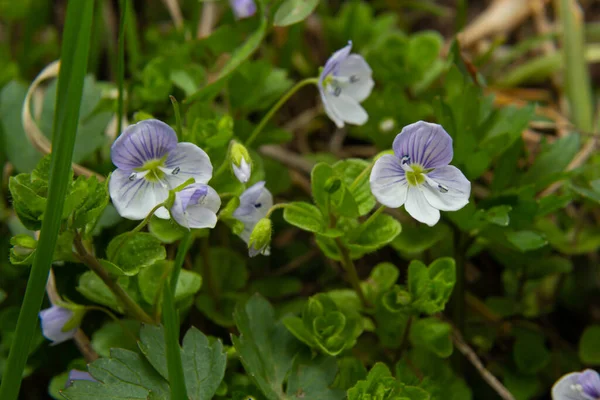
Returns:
<point x="196" y="206"/>
<point x="577" y="386"/>
<point x="53" y="320"/>
<point x="418" y="175"/>
<point x="344" y="83"/>
<point x="149" y="163"/>
<point x="243" y="8"/>
<point x="255" y="203"/>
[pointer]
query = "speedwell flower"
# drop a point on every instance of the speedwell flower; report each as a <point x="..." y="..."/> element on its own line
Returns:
<point x="149" y="163"/>
<point x="243" y="8"/>
<point x="255" y="202"/>
<point x="577" y="386"/>
<point x="53" y="320"/>
<point x="77" y="375"/>
<point x="241" y="163"/>
<point x="196" y="206"/>
<point x="418" y="175"/>
<point x="344" y="83"/>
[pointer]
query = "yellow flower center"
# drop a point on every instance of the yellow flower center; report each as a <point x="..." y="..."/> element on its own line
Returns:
<point x="154" y="174"/>
<point x="415" y="177"/>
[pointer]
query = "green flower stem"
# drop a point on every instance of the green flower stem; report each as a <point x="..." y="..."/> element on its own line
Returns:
<point x="171" y="324"/>
<point x="131" y="306"/>
<point x="361" y="176"/>
<point x="277" y="207"/>
<point x="369" y="221"/>
<point x="184" y="246"/>
<point x="348" y="265"/>
<point x="121" y="63"/>
<point x="74" y="58"/>
<point x="146" y="220"/>
<point x="177" y="116"/>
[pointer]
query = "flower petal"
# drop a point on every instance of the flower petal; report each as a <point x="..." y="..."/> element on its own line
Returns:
<point x="388" y="181"/>
<point x="255" y="202"/>
<point x="243" y="171"/>
<point x="418" y="207"/>
<point x="428" y="145"/>
<point x="335" y="60"/>
<point x="346" y="108"/>
<point x="187" y="161"/>
<point x="358" y="72"/>
<point x="149" y="139"/>
<point x="566" y="388"/>
<point x="454" y="192"/>
<point x="330" y="112"/>
<point x="243" y="8"/>
<point x="53" y="320"/>
<point x="590" y="383"/>
<point x="134" y="199"/>
<point x="196" y="207"/>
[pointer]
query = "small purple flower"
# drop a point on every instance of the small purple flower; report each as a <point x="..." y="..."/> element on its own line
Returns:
<point x="196" y="206"/>
<point x="344" y="83"/>
<point x="53" y="320"/>
<point x="149" y="163"/>
<point x="418" y="175"/>
<point x="76" y="375"/>
<point x="577" y="386"/>
<point x="243" y="8"/>
<point x="255" y="202"/>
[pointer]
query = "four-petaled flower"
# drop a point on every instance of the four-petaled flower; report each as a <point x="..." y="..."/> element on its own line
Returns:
<point x="577" y="386"/>
<point x="255" y="202"/>
<point x="149" y="163"/>
<point x="243" y="8"/>
<point x="344" y="83"/>
<point x="196" y="206"/>
<point x="418" y="175"/>
<point x="53" y="320"/>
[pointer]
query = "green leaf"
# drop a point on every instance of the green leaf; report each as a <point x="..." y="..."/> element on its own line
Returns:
<point x="589" y="345"/>
<point x="551" y="161"/>
<point x="165" y="230"/>
<point x="294" y="11"/>
<point x="311" y="378"/>
<point x="92" y="204"/>
<point x="498" y="215"/>
<point x="29" y="199"/>
<point x="415" y="239"/>
<point x="374" y="235"/>
<point x="392" y="313"/>
<point x="92" y="287"/>
<point x="22" y="250"/>
<point x="265" y="346"/>
<point x="231" y="274"/>
<point x="308" y="217"/>
<point x="203" y="363"/>
<point x="529" y="352"/>
<point x="526" y="240"/>
<point x="132" y="252"/>
<point x="122" y="334"/>
<point x="355" y="177"/>
<point x="433" y="335"/>
<point x="380" y="384"/>
<point x="150" y="281"/>
<point x="431" y="286"/>
<point x="381" y="278"/>
<point x="340" y="200"/>
<point x="351" y="370"/>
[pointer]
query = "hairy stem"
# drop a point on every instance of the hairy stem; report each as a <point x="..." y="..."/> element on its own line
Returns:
<point x="348" y="265"/>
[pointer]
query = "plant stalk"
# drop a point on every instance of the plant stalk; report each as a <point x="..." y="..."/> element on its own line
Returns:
<point x="348" y="265"/>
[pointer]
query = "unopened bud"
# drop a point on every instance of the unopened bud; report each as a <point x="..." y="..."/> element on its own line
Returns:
<point x="260" y="238"/>
<point x="241" y="163"/>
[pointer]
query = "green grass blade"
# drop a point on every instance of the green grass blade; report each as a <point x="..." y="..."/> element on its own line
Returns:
<point x="577" y="77"/>
<point x="74" y="57"/>
<point x="171" y="324"/>
<point x="121" y="63"/>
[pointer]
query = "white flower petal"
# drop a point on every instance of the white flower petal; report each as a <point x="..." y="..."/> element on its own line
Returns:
<point x="419" y="208"/>
<point x="360" y="84"/>
<point x="454" y="192"/>
<point x="53" y="320"/>
<point x="134" y="199"/>
<point x="335" y="60"/>
<point x="388" y="181"/>
<point x="255" y="202"/>
<point x="243" y="171"/>
<point x="330" y="112"/>
<point x="564" y="388"/>
<point x="346" y="108"/>
<point x="185" y="162"/>
<point x="204" y="214"/>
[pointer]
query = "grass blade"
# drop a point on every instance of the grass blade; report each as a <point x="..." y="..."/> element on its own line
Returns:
<point x="74" y="58"/>
<point x="171" y="324"/>
<point x="121" y="63"/>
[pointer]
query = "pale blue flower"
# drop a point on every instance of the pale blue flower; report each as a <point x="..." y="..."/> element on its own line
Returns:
<point x="255" y="202"/>
<point x="577" y="386"/>
<point x="149" y="163"/>
<point x="343" y="84"/>
<point x="53" y="320"/>
<point x="77" y="375"/>
<point x="418" y="176"/>
<point x="196" y="206"/>
<point x="243" y="8"/>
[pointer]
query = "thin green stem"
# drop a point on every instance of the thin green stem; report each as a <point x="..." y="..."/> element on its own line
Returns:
<point x="177" y="116"/>
<point x="74" y="58"/>
<point x="360" y="176"/>
<point x="146" y="220"/>
<point x="276" y="207"/>
<point x="174" y="366"/>
<point x="369" y="220"/>
<point x="130" y="305"/>
<point x="350" y="269"/>
<point x="184" y="246"/>
<point x="121" y="63"/>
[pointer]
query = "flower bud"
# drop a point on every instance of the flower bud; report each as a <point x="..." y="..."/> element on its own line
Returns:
<point x="23" y="248"/>
<point x="60" y="324"/>
<point x="241" y="163"/>
<point x="260" y="238"/>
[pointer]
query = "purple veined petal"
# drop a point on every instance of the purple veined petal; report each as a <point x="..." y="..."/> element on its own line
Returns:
<point x="427" y="144"/>
<point x="590" y="383"/>
<point x="334" y="61"/>
<point x="196" y="206"/>
<point x="346" y="108"/>
<point x="187" y="161"/>
<point x="147" y="140"/>
<point x="358" y="73"/>
<point x="53" y="320"/>
<point x="243" y="8"/>
<point x="243" y="172"/>
<point x="419" y="208"/>
<point x="569" y="388"/>
<point x="135" y="198"/>
<point x="388" y="181"/>
<point x="447" y="189"/>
